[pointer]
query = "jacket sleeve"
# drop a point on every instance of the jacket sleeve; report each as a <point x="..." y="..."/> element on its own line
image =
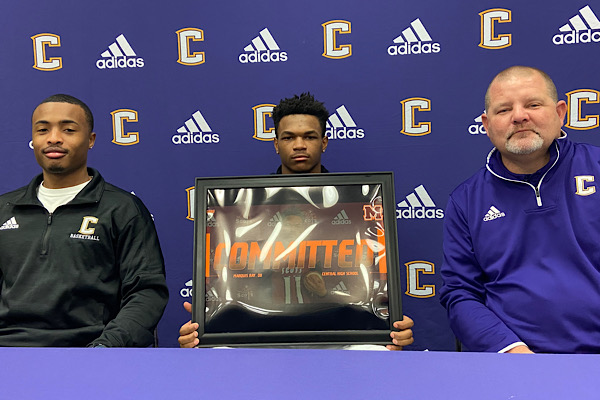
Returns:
<point x="144" y="292"/>
<point x="463" y="290"/>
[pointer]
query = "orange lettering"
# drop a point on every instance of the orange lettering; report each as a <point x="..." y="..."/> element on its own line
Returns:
<point x="238" y="257"/>
<point x="344" y="252"/>
<point x="328" y="251"/>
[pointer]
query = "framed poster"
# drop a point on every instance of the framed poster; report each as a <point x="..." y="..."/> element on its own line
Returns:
<point x="296" y="259"/>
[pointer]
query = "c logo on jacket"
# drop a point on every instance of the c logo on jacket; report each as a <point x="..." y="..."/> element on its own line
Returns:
<point x="85" y="225"/>
<point x="580" y="182"/>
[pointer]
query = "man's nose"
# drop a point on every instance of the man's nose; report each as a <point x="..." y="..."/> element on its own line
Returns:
<point x="520" y="115"/>
<point x="299" y="143"/>
<point x="54" y="135"/>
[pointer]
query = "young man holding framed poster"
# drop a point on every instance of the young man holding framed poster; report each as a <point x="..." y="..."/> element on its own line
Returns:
<point x="300" y="141"/>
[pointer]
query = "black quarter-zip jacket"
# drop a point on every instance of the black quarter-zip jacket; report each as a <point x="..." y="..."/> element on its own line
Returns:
<point x="90" y="273"/>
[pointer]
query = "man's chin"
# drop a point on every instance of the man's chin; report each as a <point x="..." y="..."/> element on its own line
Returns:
<point x="301" y="168"/>
<point x="524" y="147"/>
<point x="55" y="169"/>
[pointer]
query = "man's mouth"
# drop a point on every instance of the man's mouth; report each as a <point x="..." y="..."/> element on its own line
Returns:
<point x="520" y="131"/>
<point x="54" y="152"/>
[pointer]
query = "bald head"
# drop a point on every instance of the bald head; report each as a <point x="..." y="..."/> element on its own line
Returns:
<point x="521" y="71"/>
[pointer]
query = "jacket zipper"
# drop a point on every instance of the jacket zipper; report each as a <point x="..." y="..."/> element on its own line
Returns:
<point x="46" y="235"/>
<point x="536" y="189"/>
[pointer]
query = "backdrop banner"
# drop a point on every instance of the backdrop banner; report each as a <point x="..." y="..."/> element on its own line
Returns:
<point x="185" y="89"/>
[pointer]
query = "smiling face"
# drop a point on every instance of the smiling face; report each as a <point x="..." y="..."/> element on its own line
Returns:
<point x="522" y="119"/>
<point x="61" y="139"/>
<point x="300" y="143"/>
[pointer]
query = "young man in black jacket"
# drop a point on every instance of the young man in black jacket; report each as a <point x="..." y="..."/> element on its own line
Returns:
<point x="80" y="261"/>
<point x="300" y="140"/>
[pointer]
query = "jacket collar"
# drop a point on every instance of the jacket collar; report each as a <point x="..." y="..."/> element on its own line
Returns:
<point x="91" y="193"/>
<point x="558" y="151"/>
<point x="323" y="170"/>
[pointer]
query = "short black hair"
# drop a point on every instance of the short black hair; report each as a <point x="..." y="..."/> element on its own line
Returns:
<point x="303" y="104"/>
<point x="66" y="98"/>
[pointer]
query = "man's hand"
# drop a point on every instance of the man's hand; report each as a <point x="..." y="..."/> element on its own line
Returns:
<point x="405" y="335"/>
<point x="188" y="335"/>
<point x="520" y="350"/>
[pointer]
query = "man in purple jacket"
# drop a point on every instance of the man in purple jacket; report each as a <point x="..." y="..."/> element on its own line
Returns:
<point x="522" y="236"/>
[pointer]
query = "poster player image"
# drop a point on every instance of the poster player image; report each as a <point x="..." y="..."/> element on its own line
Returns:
<point x="80" y="261"/>
<point x="300" y="141"/>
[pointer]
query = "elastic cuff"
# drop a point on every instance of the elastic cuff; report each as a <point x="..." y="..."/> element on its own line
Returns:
<point x="512" y="346"/>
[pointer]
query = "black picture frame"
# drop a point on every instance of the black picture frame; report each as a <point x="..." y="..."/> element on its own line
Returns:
<point x="245" y="328"/>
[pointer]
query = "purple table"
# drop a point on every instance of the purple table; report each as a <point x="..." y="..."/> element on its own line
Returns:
<point x="89" y="374"/>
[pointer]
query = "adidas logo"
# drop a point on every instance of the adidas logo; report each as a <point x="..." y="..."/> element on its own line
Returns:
<point x="341" y="219"/>
<point x="477" y="128"/>
<point x="582" y="28"/>
<point x="10" y="224"/>
<point x="493" y="213"/>
<point x="263" y="48"/>
<point x="211" y="295"/>
<point x="414" y="40"/>
<point x="340" y="288"/>
<point x="210" y="219"/>
<point x="187" y="290"/>
<point x="418" y="205"/>
<point x="119" y="55"/>
<point x="340" y="125"/>
<point x="195" y="131"/>
<point x="275" y="219"/>
<point x="242" y="221"/>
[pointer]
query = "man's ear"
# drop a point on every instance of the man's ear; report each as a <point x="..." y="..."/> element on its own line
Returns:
<point x="484" y="121"/>
<point x="276" y="144"/>
<point x="561" y="110"/>
<point x="92" y="139"/>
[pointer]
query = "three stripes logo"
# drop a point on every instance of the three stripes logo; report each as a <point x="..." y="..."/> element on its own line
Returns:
<point x="186" y="291"/>
<point x="340" y="288"/>
<point x="477" y="128"/>
<point x="493" y="213"/>
<point x="263" y="48"/>
<point x="341" y="219"/>
<point x="275" y="219"/>
<point x="418" y="205"/>
<point x="210" y="218"/>
<point x="340" y="125"/>
<point x="414" y="40"/>
<point x="10" y="224"/>
<point x="211" y="295"/>
<point x="120" y="54"/>
<point x="582" y="28"/>
<point x="195" y="131"/>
